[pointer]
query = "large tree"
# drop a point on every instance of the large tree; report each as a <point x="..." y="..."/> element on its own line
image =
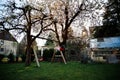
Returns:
<point x="24" y="19"/>
<point x="64" y="13"/>
<point x="111" y="21"/>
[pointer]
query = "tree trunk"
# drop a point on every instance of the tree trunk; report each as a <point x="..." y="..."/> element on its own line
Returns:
<point x="65" y="37"/>
<point x="28" y="51"/>
<point x="28" y="56"/>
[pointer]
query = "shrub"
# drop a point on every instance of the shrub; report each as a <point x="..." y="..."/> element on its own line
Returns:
<point x="11" y="57"/>
<point x="5" y="59"/>
<point x="51" y="51"/>
<point x="47" y="54"/>
<point x="1" y="57"/>
<point x="23" y="56"/>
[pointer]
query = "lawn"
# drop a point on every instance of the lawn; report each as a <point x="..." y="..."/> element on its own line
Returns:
<point x="60" y="71"/>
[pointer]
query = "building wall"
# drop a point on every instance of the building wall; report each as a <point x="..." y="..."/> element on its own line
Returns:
<point x="8" y="47"/>
<point x="111" y="42"/>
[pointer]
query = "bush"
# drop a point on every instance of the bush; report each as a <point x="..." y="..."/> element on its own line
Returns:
<point x="1" y="57"/>
<point x="11" y="57"/>
<point x="51" y="51"/>
<point x="23" y="56"/>
<point x="47" y="54"/>
<point x="84" y="58"/>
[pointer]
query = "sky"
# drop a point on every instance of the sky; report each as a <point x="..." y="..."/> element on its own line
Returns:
<point x="1" y="2"/>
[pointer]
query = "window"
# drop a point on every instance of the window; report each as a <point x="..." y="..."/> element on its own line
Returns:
<point x="1" y="49"/>
<point x="1" y="42"/>
<point x="100" y="39"/>
<point x="7" y="37"/>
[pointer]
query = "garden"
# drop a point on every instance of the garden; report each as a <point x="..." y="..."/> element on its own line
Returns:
<point x="59" y="71"/>
<point x="69" y="26"/>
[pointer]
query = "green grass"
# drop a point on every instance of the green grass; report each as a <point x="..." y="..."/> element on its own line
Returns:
<point x="60" y="71"/>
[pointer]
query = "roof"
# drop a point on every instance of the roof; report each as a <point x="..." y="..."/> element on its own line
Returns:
<point x="5" y="35"/>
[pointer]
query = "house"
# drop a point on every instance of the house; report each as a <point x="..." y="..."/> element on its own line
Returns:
<point x="104" y="48"/>
<point x="8" y="44"/>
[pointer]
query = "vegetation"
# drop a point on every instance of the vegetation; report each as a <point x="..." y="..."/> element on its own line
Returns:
<point x="66" y="12"/>
<point x="50" y="43"/>
<point x="111" y="21"/>
<point x="48" y="53"/>
<point x="1" y="57"/>
<point x="60" y="71"/>
<point x="54" y="15"/>
<point x="22" y="19"/>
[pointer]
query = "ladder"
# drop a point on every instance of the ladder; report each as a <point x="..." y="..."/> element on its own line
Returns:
<point x="55" y="56"/>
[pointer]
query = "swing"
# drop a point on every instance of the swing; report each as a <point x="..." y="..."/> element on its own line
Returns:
<point x="60" y="49"/>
